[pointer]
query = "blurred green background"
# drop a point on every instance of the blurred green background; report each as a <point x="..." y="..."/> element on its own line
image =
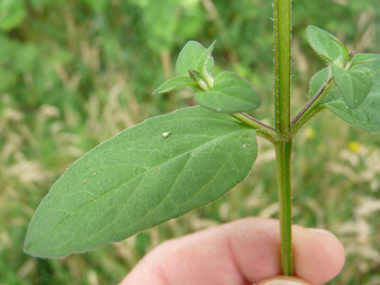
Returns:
<point x="74" y="73"/>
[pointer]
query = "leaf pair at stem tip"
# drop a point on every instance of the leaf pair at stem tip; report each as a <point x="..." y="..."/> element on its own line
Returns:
<point x="226" y="93"/>
<point x="351" y="73"/>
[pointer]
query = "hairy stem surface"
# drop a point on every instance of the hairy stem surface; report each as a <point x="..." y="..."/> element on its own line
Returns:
<point x="282" y="68"/>
<point x="282" y="64"/>
<point x="283" y="161"/>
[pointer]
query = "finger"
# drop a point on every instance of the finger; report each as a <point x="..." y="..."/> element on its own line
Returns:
<point x="241" y="252"/>
<point x="318" y="255"/>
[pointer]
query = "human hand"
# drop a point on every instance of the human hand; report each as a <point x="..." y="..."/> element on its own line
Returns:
<point x="239" y="253"/>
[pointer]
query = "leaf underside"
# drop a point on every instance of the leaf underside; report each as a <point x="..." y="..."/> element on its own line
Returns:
<point x="318" y="80"/>
<point x="175" y="83"/>
<point x="231" y="94"/>
<point x="204" y="61"/>
<point x="364" y="57"/>
<point x="141" y="178"/>
<point x="354" y="84"/>
<point x="367" y="116"/>
<point x="326" y="45"/>
<point x="189" y="57"/>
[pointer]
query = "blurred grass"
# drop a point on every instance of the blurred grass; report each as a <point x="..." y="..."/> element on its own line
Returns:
<point x="74" y="73"/>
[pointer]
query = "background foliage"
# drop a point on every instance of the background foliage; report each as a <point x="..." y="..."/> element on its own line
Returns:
<point x="74" y="73"/>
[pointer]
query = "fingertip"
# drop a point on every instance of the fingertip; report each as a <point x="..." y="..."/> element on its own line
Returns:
<point x="318" y="255"/>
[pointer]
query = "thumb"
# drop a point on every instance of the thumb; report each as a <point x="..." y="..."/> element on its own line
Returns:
<point x="283" y="280"/>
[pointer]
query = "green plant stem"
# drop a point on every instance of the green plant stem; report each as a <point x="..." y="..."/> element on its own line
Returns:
<point x="283" y="162"/>
<point x="282" y="64"/>
<point x="282" y="69"/>
<point x="309" y="110"/>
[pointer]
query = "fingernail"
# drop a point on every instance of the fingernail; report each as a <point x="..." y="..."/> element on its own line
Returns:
<point x="283" y="280"/>
<point x="321" y="231"/>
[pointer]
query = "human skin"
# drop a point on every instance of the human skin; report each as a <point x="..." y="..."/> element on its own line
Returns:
<point x="239" y="253"/>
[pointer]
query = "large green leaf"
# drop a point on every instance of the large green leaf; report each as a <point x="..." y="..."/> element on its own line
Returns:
<point x="189" y="57"/>
<point x="326" y="45"/>
<point x="354" y="84"/>
<point x="367" y="116"/>
<point x="175" y="83"/>
<point x="230" y="94"/>
<point x="148" y="174"/>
